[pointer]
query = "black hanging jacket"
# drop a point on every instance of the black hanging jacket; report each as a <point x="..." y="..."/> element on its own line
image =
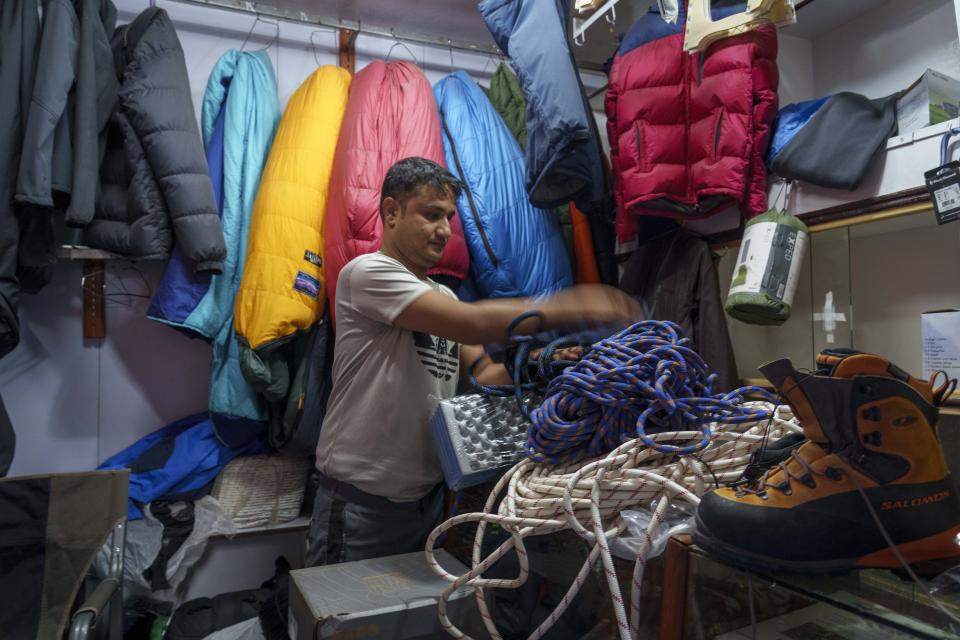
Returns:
<point x="154" y="179"/>
<point x="674" y="278"/>
<point x="19" y="34"/>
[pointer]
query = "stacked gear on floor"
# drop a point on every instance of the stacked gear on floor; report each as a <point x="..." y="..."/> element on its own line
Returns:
<point x="767" y="270"/>
<point x="180" y="461"/>
<point x="279" y="310"/>
<point x="644" y="393"/>
<point x="689" y="133"/>
<point x="869" y="488"/>
<point x="391" y="115"/>
<point x="516" y="250"/>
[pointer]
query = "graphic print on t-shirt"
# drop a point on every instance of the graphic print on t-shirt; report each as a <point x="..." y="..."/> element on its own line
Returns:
<point x="440" y="356"/>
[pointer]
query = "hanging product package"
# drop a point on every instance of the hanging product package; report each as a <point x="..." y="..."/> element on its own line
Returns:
<point x="768" y="269"/>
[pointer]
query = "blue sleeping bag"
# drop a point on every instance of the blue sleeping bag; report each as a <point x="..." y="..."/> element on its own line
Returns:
<point x="516" y="250"/>
<point x="178" y="462"/>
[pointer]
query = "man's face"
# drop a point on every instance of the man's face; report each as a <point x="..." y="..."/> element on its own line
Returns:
<point x="420" y="227"/>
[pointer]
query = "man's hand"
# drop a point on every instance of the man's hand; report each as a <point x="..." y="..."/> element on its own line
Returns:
<point x="489" y="372"/>
<point x="567" y="353"/>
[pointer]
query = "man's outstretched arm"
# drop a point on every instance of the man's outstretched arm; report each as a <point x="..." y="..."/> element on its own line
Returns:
<point x="486" y="321"/>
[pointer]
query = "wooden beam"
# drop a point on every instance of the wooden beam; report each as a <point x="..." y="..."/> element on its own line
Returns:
<point x="347" y="55"/>
<point x="674" y="598"/>
<point x="94" y="284"/>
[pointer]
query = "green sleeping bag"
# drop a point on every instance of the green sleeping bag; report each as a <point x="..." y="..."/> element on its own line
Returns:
<point x="768" y="269"/>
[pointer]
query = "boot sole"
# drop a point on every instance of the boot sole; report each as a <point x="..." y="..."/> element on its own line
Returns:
<point x="933" y="549"/>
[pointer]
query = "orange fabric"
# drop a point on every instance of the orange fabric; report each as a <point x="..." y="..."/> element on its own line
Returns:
<point x="942" y="545"/>
<point x="587" y="271"/>
<point x="912" y="438"/>
<point x="819" y="460"/>
<point x="866" y="364"/>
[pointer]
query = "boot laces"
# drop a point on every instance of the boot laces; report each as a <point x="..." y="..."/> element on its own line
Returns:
<point x="807" y="477"/>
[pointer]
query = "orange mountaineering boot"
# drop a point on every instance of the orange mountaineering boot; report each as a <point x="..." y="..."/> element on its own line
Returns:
<point x="871" y="432"/>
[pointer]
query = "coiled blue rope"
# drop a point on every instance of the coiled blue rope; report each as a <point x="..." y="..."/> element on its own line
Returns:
<point x="644" y="379"/>
<point x="530" y="375"/>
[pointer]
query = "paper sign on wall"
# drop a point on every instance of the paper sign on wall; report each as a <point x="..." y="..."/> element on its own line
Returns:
<point x="940" y="333"/>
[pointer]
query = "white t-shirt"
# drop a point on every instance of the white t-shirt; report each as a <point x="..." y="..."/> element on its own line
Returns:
<point x="376" y="433"/>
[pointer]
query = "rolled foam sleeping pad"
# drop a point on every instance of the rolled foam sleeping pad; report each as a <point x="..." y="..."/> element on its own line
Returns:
<point x="761" y="306"/>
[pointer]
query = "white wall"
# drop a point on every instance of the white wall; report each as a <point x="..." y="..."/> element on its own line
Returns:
<point x="795" y="60"/>
<point x="899" y="269"/>
<point x="888" y="48"/>
<point x="73" y="401"/>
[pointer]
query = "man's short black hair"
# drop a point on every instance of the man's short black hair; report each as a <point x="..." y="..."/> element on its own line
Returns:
<point x="407" y="176"/>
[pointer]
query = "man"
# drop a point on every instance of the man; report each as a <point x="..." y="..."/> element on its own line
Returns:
<point x="398" y="350"/>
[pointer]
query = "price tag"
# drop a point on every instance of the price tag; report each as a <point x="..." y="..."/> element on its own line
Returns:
<point x="943" y="183"/>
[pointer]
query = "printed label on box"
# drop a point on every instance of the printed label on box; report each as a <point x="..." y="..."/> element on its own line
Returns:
<point x="941" y="343"/>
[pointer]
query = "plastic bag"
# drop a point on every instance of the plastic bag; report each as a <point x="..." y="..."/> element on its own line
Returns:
<point x="678" y="518"/>
<point x="144" y="539"/>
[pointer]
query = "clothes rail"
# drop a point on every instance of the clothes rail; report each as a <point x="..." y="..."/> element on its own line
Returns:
<point x="302" y="17"/>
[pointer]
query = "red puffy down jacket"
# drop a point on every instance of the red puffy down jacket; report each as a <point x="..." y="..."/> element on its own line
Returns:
<point x="391" y="115"/>
<point x="689" y="132"/>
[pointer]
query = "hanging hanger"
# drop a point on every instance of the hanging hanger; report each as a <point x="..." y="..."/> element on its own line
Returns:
<point x="275" y="40"/>
<point x="786" y="186"/>
<point x="486" y="64"/>
<point x="314" y="46"/>
<point x="400" y="43"/>
<point x="611" y="15"/>
<point x="450" y="45"/>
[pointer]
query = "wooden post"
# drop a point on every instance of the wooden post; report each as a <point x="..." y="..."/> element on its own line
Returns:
<point x="347" y="55"/>
<point x="674" y="600"/>
<point x="94" y="316"/>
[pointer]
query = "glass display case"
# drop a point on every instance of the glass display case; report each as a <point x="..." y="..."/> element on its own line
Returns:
<point x="726" y="603"/>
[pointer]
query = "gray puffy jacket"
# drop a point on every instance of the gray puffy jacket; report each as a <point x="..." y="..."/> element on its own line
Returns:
<point x="154" y="176"/>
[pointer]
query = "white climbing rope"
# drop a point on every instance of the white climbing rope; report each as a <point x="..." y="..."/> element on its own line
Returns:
<point x="588" y="499"/>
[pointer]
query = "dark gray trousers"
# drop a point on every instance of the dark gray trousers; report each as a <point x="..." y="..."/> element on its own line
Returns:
<point x="349" y="524"/>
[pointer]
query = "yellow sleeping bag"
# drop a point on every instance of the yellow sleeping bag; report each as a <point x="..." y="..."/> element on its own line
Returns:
<point x="282" y="293"/>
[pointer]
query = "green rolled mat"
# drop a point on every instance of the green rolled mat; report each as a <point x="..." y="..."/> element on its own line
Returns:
<point x="768" y="269"/>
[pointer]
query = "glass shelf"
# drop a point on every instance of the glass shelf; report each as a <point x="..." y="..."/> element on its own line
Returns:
<point x="864" y="605"/>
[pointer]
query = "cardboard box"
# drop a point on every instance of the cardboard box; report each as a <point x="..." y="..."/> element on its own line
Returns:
<point x="940" y="334"/>
<point x="932" y="99"/>
<point x="394" y="597"/>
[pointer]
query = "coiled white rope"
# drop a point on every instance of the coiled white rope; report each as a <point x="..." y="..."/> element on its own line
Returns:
<point x="588" y="499"/>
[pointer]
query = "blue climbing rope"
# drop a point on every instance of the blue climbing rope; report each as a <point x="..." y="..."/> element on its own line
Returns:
<point x="645" y="379"/>
<point x="529" y="375"/>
